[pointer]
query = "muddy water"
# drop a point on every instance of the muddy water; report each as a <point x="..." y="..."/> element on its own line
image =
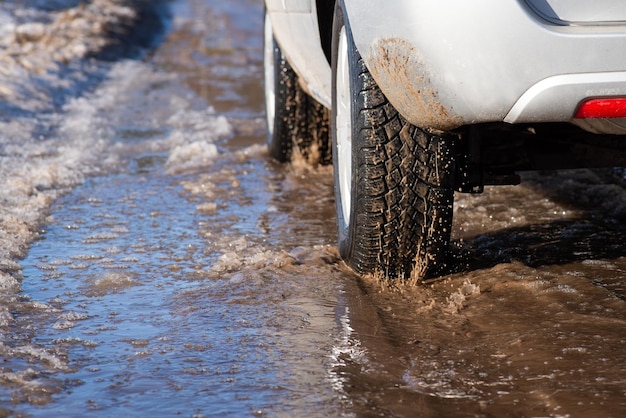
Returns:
<point x="198" y="278"/>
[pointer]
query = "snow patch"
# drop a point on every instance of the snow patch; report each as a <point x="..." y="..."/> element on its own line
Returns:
<point x="196" y="154"/>
<point x="110" y="283"/>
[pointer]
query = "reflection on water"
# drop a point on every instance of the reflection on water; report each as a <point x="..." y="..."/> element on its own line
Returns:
<point x="138" y="314"/>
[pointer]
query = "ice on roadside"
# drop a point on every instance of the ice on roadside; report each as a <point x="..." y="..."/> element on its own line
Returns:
<point x="192" y="141"/>
<point x="110" y="283"/>
<point x="195" y="154"/>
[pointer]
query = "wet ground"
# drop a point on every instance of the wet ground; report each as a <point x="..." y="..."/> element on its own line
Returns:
<point x="177" y="271"/>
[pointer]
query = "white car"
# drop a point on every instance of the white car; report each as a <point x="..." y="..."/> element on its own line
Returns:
<point x="423" y="98"/>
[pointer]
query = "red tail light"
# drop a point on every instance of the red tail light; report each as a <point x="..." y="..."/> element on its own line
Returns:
<point x="614" y="107"/>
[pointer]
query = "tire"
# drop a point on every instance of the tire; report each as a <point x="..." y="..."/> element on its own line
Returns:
<point x="296" y="123"/>
<point x="393" y="181"/>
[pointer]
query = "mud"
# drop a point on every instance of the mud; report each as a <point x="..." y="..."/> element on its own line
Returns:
<point x="411" y="88"/>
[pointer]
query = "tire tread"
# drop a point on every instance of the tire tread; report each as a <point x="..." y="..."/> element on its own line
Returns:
<point x="405" y="214"/>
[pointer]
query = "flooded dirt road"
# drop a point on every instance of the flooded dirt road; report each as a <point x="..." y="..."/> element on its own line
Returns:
<point x="177" y="271"/>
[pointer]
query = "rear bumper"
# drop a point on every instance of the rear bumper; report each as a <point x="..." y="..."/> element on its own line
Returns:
<point x="450" y="63"/>
<point x="555" y="98"/>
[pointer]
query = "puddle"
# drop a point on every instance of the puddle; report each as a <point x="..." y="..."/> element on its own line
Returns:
<point x="178" y="271"/>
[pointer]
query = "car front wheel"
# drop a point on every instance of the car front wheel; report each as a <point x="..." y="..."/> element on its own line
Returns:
<point x="393" y="181"/>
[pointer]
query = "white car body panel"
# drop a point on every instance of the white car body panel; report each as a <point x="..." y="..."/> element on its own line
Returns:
<point x="448" y="63"/>
<point x="580" y="12"/>
<point x="296" y="31"/>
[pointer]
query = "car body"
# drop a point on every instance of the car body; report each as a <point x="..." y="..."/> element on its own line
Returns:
<point x="450" y="63"/>
<point x="508" y="75"/>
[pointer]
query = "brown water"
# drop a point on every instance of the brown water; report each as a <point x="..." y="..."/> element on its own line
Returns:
<point x="201" y="279"/>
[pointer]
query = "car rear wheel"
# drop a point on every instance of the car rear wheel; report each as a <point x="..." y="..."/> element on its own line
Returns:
<point x="295" y="121"/>
<point x="393" y="181"/>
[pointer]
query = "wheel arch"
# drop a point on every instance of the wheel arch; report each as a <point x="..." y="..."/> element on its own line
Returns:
<point x="325" y="11"/>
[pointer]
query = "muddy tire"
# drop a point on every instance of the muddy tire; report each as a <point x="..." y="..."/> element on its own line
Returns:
<point x="296" y="123"/>
<point x="393" y="181"/>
